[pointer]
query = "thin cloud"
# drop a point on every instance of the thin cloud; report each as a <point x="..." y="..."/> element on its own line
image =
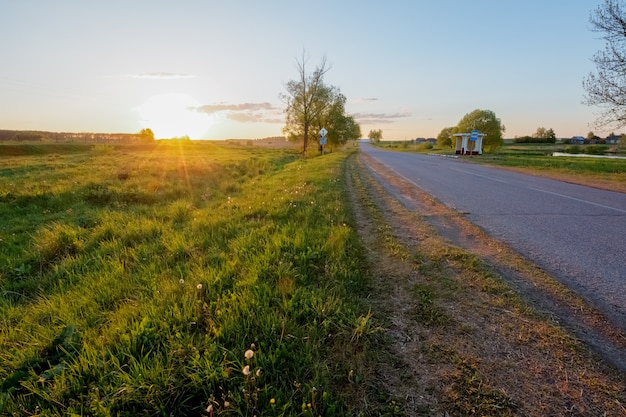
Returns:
<point x="364" y="100"/>
<point x="214" y="108"/>
<point x="371" y="118"/>
<point x="161" y="76"/>
<point x="245" y="112"/>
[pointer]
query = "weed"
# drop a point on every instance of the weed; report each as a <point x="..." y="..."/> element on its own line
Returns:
<point x="364" y="327"/>
<point x="427" y="311"/>
<point x="470" y="395"/>
<point x="55" y="242"/>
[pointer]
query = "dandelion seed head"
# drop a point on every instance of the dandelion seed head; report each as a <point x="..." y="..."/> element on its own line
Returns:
<point x="259" y="372"/>
<point x="182" y="281"/>
<point x="199" y="286"/>
<point x="249" y="354"/>
<point x="209" y="409"/>
<point x="246" y="370"/>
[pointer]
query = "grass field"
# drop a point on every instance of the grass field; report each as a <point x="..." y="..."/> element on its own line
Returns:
<point x="194" y="278"/>
<point x="177" y="279"/>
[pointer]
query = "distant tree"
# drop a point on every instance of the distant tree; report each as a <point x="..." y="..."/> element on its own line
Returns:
<point x="540" y="133"/>
<point x="607" y="86"/>
<point x="590" y="136"/>
<point x="444" y="139"/>
<point x="622" y="142"/>
<point x="486" y="122"/>
<point x="146" y="135"/>
<point x="543" y="133"/>
<point x="375" y="135"/>
<point x="307" y="98"/>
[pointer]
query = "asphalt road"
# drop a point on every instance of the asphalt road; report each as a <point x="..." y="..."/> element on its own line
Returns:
<point x="575" y="233"/>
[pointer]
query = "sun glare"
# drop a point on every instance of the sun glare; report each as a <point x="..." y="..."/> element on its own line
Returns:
<point x="174" y="115"/>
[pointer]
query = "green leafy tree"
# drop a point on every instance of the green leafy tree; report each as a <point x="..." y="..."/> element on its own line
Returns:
<point x="375" y="135"/>
<point x="341" y="127"/>
<point x="146" y="135"/>
<point x="486" y="122"/>
<point x="444" y="138"/>
<point x="543" y="133"/>
<point x="307" y="98"/>
<point x="607" y="86"/>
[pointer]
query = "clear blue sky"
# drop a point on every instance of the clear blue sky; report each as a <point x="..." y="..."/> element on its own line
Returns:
<point x="409" y="68"/>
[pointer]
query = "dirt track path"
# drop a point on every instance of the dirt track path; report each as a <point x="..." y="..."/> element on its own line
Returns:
<point x="474" y="333"/>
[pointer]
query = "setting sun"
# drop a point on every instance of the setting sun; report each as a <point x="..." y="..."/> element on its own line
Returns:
<point x="173" y="115"/>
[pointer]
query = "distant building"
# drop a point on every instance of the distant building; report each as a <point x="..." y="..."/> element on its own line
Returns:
<point x="613" y="139"/>
<point x="423" y="140"/>
<point x="577" y="140"/>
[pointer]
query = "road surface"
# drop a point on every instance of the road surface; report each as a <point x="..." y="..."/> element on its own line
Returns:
<point x="575" y="233"/>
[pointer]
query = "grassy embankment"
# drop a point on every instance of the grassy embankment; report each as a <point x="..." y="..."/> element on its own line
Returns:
<point x="177" y="279"/>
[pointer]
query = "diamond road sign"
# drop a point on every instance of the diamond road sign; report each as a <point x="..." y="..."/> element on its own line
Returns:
<point x="323" y="132"/>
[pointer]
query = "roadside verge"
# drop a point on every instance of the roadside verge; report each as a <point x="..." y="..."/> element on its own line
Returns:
<point x="472" y="328"/>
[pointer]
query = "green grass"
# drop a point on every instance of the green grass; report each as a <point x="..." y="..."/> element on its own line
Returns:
<point x="562" y="163"/>
<point x="134" y="279"/>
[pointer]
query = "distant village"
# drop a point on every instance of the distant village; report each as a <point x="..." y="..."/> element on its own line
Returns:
<point x="574" y="140"/>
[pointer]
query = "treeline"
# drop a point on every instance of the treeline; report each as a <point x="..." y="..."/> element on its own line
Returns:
<point x="87" y="137"/>
<point x="532" y="139"/>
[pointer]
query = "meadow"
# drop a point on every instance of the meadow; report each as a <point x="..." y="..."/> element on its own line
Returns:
<point x="188" y="278"/>
<point x="177" y="279"/>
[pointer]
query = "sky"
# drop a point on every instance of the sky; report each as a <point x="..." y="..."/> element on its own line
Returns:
<point x="216" y="69"/>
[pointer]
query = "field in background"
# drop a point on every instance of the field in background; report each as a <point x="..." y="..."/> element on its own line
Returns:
<point x="537" y="159"/>
<point x="177" y="279"/>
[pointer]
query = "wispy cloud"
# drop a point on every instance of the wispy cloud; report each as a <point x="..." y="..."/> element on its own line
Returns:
<point x="364" y="99"/>
<point x="246" y="112"/>
<point x="375" y="118"/>
<point x="213" y="108"/>
<point x="161" y="76"/>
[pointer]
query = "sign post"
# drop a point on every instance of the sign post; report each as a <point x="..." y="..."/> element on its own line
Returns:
<point x="473" y="139"/>
<point x="323" y="133"/>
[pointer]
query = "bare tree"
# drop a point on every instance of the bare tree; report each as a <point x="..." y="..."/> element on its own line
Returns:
<point x="607" y="87"/>
<point x="306" y="100"/>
